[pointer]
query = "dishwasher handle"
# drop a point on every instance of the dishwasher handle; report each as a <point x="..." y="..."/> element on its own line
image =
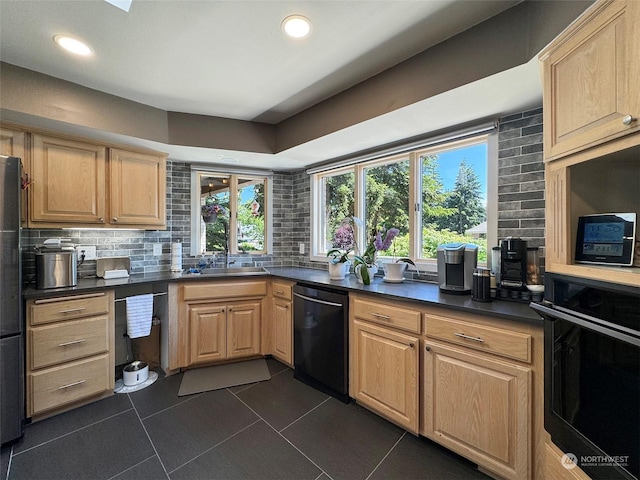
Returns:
<point x="315" y="300"/>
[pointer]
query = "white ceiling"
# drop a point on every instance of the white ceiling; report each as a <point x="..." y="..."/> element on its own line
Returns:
<point x="230" y="59"/>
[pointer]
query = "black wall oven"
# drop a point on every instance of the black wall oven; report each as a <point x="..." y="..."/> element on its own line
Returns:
<point x="592" y="379"/>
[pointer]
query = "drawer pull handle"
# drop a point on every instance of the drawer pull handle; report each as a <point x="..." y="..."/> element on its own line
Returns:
<point x="74" y="384"/>
<point x="411" y="345"/>
<point x="280" y="292"/>
<point x="72" y="342"/>
<point x="379" y="315"/>
<point x="627" y="120"/>
<point x="71" y="310"/>
<point x="475" y="339"/>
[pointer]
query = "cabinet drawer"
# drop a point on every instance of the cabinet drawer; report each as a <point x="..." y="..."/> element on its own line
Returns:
<point x="62" y="342"/>
<point x="224" y="290"/>
<point x="282" y="290"/>
<point x="388" y="314"/>
<point x="68" y="383"/>
<point x="505" y="343"/>
<point x="66" y="308"/>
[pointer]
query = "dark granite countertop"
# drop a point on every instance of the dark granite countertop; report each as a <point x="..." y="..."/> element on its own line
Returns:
<point x="408" y="290"/>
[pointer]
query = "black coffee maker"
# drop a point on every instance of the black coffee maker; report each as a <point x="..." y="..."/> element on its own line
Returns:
<point x="513" y="264"/>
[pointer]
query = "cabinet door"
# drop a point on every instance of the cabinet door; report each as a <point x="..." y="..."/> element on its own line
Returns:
<point x="385" y="373"/>
<point x="68" y="182"/>
<point x="283" y="331"/>
<point x="243" y="329"/>
<point x="478" y="407"/>
<point x="138" y="186"/>
<point x="591" y="76"/>
<point x="207" y="325"/>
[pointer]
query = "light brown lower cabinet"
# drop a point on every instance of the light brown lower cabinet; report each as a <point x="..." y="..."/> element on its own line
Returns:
<point x="283" y="330"/>
<point x="479" y="407"/>
<point x="70" y="353"/>
<point x="384" y="373"/>
<point x="282" y="315"/>
<point x="215" y="320"/>
<point x="223" y="331"/>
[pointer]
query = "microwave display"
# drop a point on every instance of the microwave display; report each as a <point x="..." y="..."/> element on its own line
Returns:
<point x="606" y="238"/>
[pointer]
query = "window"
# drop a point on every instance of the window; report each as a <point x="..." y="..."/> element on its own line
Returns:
<point x="222" y="221"/>
<point x="432" y="195"/>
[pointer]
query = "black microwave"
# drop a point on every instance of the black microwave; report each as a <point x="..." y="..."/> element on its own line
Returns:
<point x="607" y="238"/>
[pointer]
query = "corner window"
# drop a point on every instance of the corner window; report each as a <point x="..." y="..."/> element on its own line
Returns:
<point x="432" y="196"/>
<point x="230" y="213"/>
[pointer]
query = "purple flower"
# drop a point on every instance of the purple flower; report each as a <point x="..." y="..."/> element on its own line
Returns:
<point x="343" y="237"/>
<point x="211" y="208"/>
<point x="386" y="244"/>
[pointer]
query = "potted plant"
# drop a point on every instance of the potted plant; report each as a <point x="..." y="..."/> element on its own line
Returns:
<point x="210" y="212"/>
<point x="394" y="270"/>
<point x="365" y="264"/>
<point x="343" y="242"/>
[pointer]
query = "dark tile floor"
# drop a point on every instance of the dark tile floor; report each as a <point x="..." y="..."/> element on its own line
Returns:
<point x="278" y="429"/>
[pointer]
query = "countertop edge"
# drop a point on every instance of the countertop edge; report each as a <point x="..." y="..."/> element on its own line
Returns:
<point x="417" y="292"/>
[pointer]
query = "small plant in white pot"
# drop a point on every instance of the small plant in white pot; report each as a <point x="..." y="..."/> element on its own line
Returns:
<point x="343" y="242"/>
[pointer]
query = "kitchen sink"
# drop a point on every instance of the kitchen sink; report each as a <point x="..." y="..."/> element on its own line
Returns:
<point x="232" y="272"/>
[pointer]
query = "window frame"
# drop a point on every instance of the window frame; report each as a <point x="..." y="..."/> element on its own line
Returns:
<point x="196" y="232"/>
<point x="415" y="187"/>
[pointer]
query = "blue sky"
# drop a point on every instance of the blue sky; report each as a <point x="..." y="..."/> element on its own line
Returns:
<point x="476" y="157"/>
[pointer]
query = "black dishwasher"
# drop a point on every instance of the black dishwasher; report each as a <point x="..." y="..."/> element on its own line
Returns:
<point x="321" y="339"/>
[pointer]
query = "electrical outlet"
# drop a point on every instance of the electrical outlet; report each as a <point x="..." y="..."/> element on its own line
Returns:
<point x="301" y="246"/>
<point x="157" y="249"/>
<point x="88" y="250"/>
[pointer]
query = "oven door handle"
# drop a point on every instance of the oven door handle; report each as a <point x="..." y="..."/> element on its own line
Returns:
<point x="552" y="314"/>
<point x="316" y="300"/>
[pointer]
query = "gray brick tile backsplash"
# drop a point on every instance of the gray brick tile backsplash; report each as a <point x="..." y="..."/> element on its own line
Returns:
<point x="509" y="118"/>
<point x="521" y="192"/>
<point x="536" y="111"/>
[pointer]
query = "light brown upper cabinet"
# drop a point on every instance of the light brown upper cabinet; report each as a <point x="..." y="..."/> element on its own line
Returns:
<point x="77" y="183"/>
<point x="69" y="183"/>
<point x="591" y="75"/>
<point x="138" y="188"/>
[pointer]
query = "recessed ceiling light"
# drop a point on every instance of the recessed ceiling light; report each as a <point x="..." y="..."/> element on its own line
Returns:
<point x="72" y="45"/>
<point x="296" y="26"/>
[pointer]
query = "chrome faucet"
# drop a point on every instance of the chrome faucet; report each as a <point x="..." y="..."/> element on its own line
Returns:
<point x="227" y="260"/>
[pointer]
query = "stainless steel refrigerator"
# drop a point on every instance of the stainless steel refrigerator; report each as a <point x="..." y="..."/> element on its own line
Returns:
<point x="11" y="322"/>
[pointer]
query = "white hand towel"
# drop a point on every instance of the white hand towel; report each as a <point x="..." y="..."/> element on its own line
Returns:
<point x="139" y="315"/>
